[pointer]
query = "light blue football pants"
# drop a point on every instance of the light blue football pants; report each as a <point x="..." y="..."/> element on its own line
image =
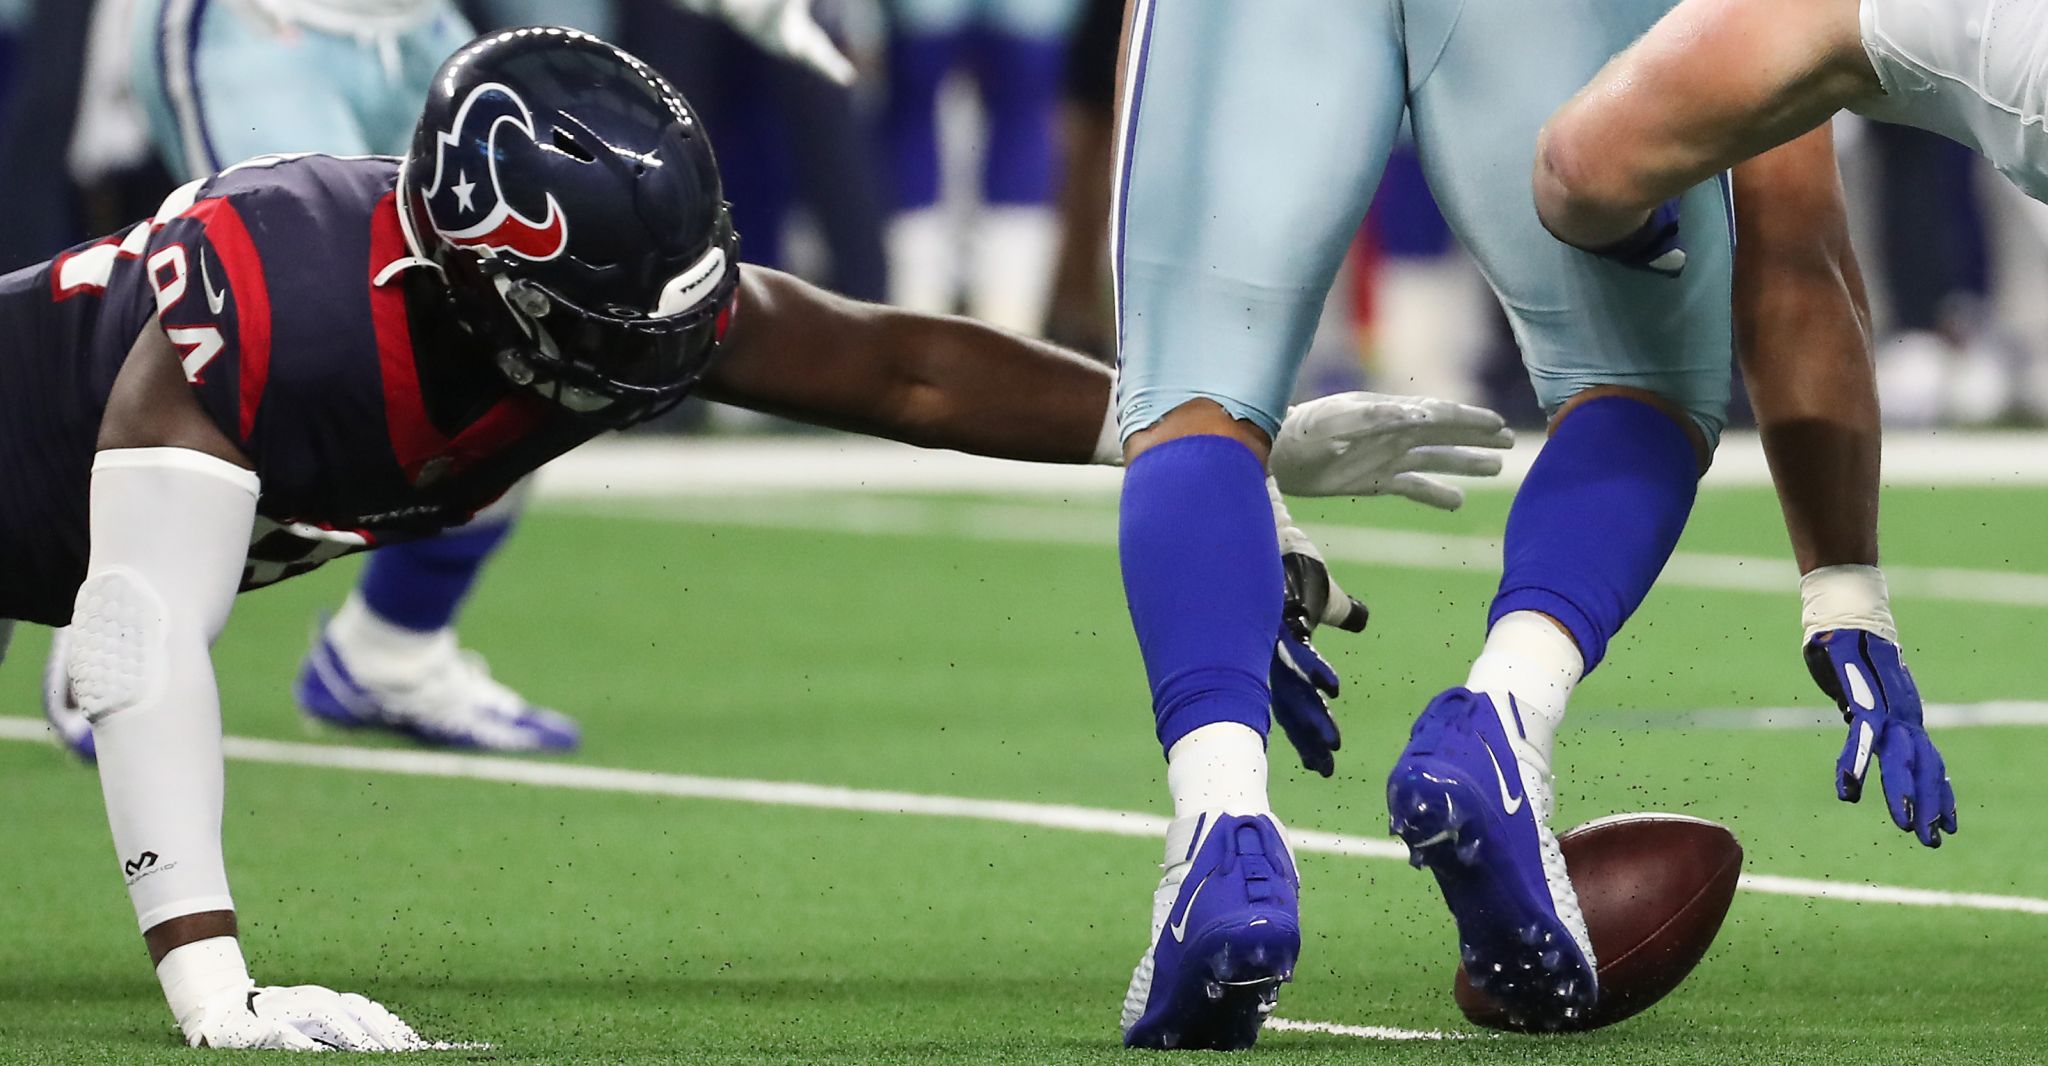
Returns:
<point x="1254" y="136"/>
<point x="222" y="81"/>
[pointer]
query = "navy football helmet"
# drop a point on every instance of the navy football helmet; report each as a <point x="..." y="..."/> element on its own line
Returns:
<point x="570" y="198"/>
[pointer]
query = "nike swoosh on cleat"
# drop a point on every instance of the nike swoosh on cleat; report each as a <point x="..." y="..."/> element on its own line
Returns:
<point x="1509" y="800"/>
<point x="1179" y="929"/>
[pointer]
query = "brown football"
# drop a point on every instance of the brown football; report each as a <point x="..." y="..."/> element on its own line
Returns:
<point x="1654" y="888"/>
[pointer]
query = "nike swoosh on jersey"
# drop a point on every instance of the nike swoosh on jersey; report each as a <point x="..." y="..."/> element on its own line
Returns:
<point x="215" y="299"/>
<point x="1180" y="928"/>
<point x="1512" y="802"/>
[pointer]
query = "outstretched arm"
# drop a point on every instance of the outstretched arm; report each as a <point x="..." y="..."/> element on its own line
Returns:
<point x="1803" y="334"/>
<point x="944" y="382"/>
<point x="1711" y="85"/>
<point x="934" y="381"/>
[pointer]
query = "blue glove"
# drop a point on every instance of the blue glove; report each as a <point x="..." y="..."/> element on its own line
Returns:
<point x="1303" y="683"/>
<point x="1654" y="248"/>
<point x="1870" y="683"/>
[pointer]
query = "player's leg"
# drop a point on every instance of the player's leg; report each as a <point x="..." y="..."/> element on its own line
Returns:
<point x="1020" y="49"/>
<point x="1253" y="135"/>
<point x="1635" y="370"/>
<point x="223" y="82"/>
<point x="389" y="658"/>
<point x="1714" y="83"/>
<point x="925" y="41"/>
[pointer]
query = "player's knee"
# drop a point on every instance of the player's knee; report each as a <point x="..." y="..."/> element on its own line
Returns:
<point x="117" y="640"/>
<point x="1702" y="417"/>
<point x="1574" y="177"/>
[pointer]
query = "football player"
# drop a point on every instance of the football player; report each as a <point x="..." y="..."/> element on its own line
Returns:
<point x="228" y="81"/>
<point x="1252" y="139"/>
<point x="1716" y="83"/>
<point x="198" y="405"/>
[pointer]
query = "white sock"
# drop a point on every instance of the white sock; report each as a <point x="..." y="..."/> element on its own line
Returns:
<point x="1529" y="658"/>
<point x="379" y="652"/>
<point x="1219" y="767"/>
<point x="1010" y="267"/>
<point x="924" y="261"/>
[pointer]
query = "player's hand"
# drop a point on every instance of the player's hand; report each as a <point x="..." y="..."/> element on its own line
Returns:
<point x="782" y="27"/>
<point x="299" y="1018"/>
<point x="1303" y="683"/>
<point x="1370" y="444"/>
<point x="1656" y="247"/>
<point x="1870" y="683"/>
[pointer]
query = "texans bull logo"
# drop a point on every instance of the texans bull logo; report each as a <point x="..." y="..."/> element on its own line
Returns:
<point x="465" y="201"/>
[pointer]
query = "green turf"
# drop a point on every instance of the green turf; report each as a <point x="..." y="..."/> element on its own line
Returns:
<point x="578" y="927"/>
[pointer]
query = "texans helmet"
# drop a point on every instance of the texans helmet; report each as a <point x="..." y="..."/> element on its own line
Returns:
<point x="570" y="198"/>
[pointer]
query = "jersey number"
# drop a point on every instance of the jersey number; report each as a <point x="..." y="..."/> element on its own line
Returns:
<point x="169" y="277"/>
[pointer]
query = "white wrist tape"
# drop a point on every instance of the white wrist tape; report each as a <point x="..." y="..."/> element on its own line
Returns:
<point x="1846" y="597"/>
<point x="199" y="973"/>
<point x="170" y="533"/>
<point x="1109" y="444"/>
<point x="1292" y="540"/>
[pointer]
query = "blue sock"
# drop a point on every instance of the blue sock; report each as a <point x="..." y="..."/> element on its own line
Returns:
<point x="421" y="584"/>
<point x="918" y="64"/>
<point x="1597" y="518"/>
<point x="1202" y="573"/>
<point x="1020" y="90"/>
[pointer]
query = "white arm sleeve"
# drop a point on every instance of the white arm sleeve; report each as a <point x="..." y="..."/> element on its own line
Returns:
<point x="170" y="534"/>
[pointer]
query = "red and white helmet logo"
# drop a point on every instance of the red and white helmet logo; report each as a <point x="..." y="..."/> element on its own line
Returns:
<point x="465" y="202"/>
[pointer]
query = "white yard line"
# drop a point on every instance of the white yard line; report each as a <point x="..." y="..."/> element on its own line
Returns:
<point x="1405" y="549"/>
<point x="1363" y="1032"/>
<point x="1946" y="715"/>
<point x="646" y="466"/>
<point x="576" y="777"/>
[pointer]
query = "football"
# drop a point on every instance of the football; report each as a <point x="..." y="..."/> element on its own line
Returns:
<point x="1654" y="888"/>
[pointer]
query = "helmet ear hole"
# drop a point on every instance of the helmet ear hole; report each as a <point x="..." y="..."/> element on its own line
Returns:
<point x="566" y="143"/>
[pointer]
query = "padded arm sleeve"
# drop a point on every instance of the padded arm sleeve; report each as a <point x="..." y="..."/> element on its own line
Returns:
<point x="170" y="532"/>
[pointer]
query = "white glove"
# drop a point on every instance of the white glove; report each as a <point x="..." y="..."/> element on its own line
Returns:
<point x="218" y="1006"/>
<point x="783" y="28"/>
<point x="1370" y="444"/>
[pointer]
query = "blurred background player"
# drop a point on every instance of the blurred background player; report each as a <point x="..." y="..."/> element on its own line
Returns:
<point x="1253" y="139"/>
<point x="994" y="256"/>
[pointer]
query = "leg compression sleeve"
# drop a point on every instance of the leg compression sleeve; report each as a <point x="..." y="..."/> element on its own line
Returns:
<point x="1201" y="567"/>
<point x="170" y="534"/>
<point x="421" y="584"/>
<point x="1597" y="518"/>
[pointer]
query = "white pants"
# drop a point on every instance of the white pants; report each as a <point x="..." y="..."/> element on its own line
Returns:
<point x="1975" y="71"/>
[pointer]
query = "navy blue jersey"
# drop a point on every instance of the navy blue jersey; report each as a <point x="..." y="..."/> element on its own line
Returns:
<point x="314" y="341"/>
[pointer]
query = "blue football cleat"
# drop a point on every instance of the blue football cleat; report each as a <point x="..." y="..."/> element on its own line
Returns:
<point x="66" y="720"/>
<point x="453" y="703"/>
<point x="1226" y="931"/>
<point x="1472" y="800"/>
